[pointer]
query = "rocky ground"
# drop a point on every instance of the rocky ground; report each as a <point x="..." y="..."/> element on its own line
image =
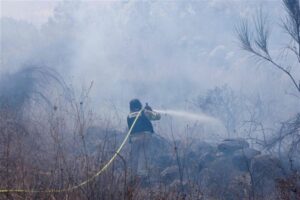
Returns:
<point x="228" y="170"/>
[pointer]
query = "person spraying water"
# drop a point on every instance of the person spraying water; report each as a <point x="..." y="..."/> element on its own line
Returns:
<point x="142" y="151"/>
<point x="143" y="132"/>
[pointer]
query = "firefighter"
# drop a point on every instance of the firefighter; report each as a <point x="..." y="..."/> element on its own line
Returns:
<point x="141" y="135"/>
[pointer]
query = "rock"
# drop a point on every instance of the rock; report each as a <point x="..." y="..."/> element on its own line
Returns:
<point x="290" y="163"/>
<point x="170" y="174"/>
<point x="265" y="171"/>
<point x="206" y="159"/>
<point x="266" y="166"/>
<point x="163" y="161"/>
<point x="215" y="179"/>
<point x="241" y="158"/>
<point x="161" y="151"/>
<point x="203" y="147"/>
<point x="160" y="142"/>
<point x="239" y="188"/>
<point x="248" y="153"/>
<point x="229" y="146"/>
<point x="178" y="186"/>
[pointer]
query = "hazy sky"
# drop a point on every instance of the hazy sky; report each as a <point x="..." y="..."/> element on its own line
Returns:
<point x="165" y="52"/>
<point x="36" y="12"/>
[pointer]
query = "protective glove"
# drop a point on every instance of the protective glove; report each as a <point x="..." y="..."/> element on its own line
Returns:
<point x="147" y="107"/>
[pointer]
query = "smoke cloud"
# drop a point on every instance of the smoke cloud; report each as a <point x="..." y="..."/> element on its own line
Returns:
<point x="165" y="53"/>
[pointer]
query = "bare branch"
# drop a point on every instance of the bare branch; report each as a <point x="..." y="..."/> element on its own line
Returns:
<point x="294" y="50"/>
<point x="288" y="129"/>
<point x="278" y="66"/>
<point x="262" y="32"/>
<point x="291" y="23"/>
<point x="257" y="43"/>
<point x="244" y="36"/>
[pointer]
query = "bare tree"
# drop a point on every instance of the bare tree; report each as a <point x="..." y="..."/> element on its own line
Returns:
<point x="222" y="102"/>
<point x="255" y="39"/>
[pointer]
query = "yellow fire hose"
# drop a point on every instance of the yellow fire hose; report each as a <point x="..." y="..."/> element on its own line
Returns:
<point x="84" y="182"/>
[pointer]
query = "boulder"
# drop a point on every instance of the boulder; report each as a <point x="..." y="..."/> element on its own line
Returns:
<point x="170" y="174"/>
<point x="160" y="143"/>
<point x="241" y="158"/>
<point x="194" y="153"/>
<point x="206" y="159"/>
<point x="228" y="146"/>
<point x="178" y="186"/>
<point x="265" y="171"/>
<point x="163" y="161"/>
<point x="239" y="188"/>
<point x="161" y="151"/>
<point x="215" y="179"/>
<point x="203" y="147"/>
<point x="266" y="166"/>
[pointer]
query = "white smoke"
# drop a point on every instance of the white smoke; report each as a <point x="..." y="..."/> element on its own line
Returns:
<point x="162" y="52"/>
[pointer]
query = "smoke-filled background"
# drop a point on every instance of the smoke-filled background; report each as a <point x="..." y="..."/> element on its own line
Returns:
<point x="69" y="69"/>
<point x="167" y="53"/>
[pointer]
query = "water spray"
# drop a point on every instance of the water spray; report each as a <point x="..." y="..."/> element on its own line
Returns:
<point x="200" y="117"/>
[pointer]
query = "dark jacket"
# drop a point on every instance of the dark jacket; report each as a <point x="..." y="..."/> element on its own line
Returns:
<point x="143" y="123"/>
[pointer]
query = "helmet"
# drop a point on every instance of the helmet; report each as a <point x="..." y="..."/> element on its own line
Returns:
<point x="135" y="105"/>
